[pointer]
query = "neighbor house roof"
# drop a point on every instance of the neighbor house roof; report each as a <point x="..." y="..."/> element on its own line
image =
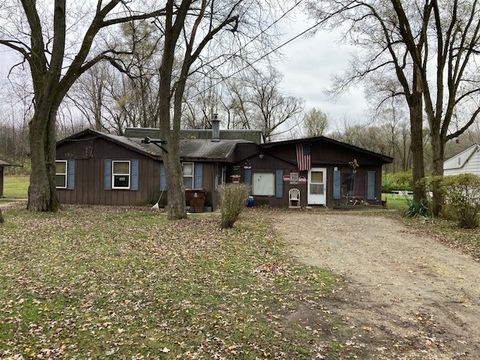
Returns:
<point x="458" y="161"/>
<point x="254" y="136"/>
<point x="4" y="162"/>
<point x="384" y="158"/>
<point x="194" y="149"/>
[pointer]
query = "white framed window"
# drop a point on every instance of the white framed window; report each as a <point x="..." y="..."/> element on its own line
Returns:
<point x="188" y="175"/>
<point x="121" y="174"/>
<point x="61" y="171"/>
<point x="263" y="184"/>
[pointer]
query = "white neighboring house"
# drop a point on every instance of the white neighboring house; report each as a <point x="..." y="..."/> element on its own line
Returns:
<point x="468" y="161"/>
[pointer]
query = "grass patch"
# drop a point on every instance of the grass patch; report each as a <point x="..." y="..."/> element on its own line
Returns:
<point x="16" y="186"/>
<point x="98" y="282"/>
<point x="395" y="201"/>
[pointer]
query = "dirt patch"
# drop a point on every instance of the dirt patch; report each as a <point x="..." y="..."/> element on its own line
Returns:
<point x="407" y="295"/>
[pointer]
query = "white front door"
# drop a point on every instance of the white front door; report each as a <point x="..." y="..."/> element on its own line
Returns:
<point x="317" y="186"/>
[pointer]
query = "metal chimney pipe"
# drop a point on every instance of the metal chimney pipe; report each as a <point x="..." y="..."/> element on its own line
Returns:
<point x="215" y="128"/>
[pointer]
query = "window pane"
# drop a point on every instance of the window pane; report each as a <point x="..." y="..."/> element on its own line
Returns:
<point x="317" y="177"/>
<point x="188" y="182"/>
<point x="347" y="184"/>
<point x="60" y="181"/>
<point x="121" y="167"/>
<point x="121" y="181"/>
<point x="187" y="169"/>
<point x="264" y="184"/>
<point x="60" y="167"/>
<point x="316" y="189"/>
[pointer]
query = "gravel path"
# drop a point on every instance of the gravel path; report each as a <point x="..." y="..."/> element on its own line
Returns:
<point x="408" y="289"/>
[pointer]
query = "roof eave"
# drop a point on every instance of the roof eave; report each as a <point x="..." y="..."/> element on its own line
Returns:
<point x="386" y="159"/>
<point x="108" y="138"/>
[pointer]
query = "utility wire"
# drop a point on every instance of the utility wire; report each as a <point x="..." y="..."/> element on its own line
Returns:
<point x="257" y="36"/>
<point x="264" y="56"/>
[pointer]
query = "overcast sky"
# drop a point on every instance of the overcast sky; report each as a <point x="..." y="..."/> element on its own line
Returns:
<point x="309" y="64"/>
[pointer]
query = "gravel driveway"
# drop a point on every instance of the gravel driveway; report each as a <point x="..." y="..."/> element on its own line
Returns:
<point x="403" y="288"/>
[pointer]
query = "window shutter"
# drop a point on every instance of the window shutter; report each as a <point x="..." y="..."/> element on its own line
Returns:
<point x="134" y="175"/>
<point x="371" y="175"/>
<point x="163" y="179"/>
<point x="336" y="185"/>
<point x="71" y="174"/>
<point x="279" y="184"/>
<point x="107" y="174"/>
<point x="198" y="172"/>
<point x="248" y="176"/>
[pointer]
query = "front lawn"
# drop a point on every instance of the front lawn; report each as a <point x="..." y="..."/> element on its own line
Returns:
<point x="395" y="201"/>
<point x="98" y="282"/>
<point x="16" y="186"/>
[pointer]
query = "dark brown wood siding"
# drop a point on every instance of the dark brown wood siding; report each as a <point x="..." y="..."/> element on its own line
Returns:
<point x="89" y="156"/>
<point x="324" y="155"/>
<point x="89" y="188"/>
<point x="89" y="185"/>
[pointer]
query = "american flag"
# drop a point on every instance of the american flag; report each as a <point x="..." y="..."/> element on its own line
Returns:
<point x="304" y="158"/>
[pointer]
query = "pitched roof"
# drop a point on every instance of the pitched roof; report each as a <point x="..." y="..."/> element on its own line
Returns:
<point x="205" y="149"/>
<point x="195" y="149"/>
<point x="384" y="158"/>
<point x="459" y="160"/>
<point x="4" y="162"/>
<point x="205" y="134"/>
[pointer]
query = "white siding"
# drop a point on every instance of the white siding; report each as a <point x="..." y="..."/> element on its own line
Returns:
<point x="472" y="165"/>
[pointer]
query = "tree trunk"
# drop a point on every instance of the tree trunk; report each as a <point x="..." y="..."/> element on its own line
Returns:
<point x="2" y="220"/>
<point x="42" y="193"/>
<point x="176" y="191"/>
<point x="438" y="153"/>
<point x="416" y="146"/>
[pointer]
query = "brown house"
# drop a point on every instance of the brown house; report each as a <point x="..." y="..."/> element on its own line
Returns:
<point x="99" y="168"/>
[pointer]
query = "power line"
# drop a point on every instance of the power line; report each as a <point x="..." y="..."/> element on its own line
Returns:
<point x="264" y="55"/>
<point x="258" y="35"/>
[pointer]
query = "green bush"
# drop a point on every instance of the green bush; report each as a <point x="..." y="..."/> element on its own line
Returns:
<point x="417" y="209"/>
<point x="232" y="202"/>
<point x="397" y="181"/>
<point x="462" y="199"/>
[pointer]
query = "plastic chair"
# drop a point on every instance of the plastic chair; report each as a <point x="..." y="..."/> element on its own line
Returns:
<point x="294" y="198"/>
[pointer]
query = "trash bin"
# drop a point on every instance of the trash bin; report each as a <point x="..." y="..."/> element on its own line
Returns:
<point x="250" y="202"/>
<point x="197" y="200"/>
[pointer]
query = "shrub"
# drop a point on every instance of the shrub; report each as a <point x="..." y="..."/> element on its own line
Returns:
<point x="232" y="202"/>
<point x="397" y="181"/>
<point x="462" y="198"/>
<point x="417" y="208"/>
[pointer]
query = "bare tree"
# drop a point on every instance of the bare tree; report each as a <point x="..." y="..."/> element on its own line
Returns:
<point x="315" y="122"/>
<point x="372" y="25"/>
<point x="88" y="95"/>
<point x="452" y="35"/>
<point x="43" y="44"/>
<point x="188" y="28"/>
<point x="273" y="112"/>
